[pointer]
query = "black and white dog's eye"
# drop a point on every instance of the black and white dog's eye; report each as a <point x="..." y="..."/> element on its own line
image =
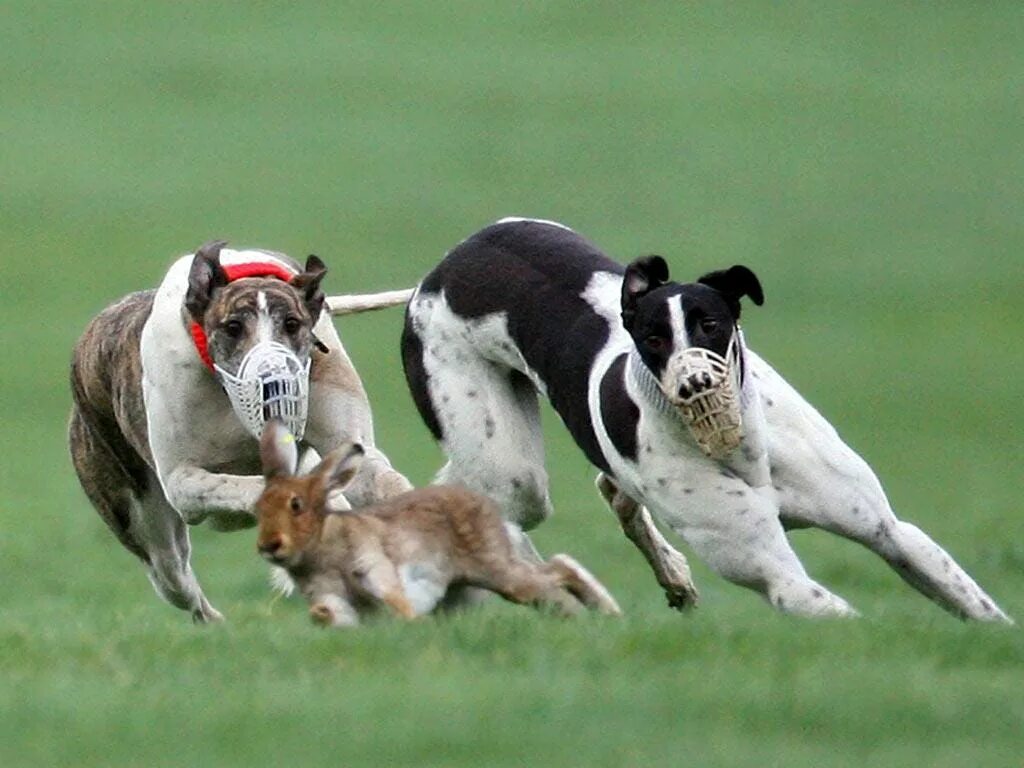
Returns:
<point x="292" y="324"/>
<point x="656" y="343"/>
<point x="233" y="328"/>
<point x="709" y="325"/>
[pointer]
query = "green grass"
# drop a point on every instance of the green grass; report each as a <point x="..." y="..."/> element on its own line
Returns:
<point x="865" y="159"/>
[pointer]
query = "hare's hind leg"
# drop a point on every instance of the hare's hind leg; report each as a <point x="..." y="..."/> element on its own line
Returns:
<point x="527" y="584"/>
<point x="582" y="584"/>
<point x="382" y="580"/>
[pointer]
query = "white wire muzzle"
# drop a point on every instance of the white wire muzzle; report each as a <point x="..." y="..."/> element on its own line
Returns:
<point x="271" y="383"/>
<point x="713" y="414"/>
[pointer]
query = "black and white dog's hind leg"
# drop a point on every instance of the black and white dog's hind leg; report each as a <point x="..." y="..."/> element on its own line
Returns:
<point x="484" y="413"/>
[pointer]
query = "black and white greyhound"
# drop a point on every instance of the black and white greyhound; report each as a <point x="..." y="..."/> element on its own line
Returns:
<point x="528" y="305"/>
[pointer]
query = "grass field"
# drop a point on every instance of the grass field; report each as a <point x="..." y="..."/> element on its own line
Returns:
<point x="866" y="160"/>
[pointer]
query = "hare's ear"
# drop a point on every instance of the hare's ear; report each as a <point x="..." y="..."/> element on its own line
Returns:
<point x="339" y="466"/>
<point x="279" y="453"/>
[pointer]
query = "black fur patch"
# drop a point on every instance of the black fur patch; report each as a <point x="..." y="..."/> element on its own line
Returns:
<point x="534" y="273"/>
<point x="619" y="413"/>
<point x="416" y="377"/>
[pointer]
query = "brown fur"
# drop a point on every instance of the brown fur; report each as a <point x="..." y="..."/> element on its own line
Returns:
<point x="107" y="432"/>
<point x="456" y="533"/>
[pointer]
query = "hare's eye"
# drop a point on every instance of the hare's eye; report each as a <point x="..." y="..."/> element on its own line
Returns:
<point x="295" y="504"/>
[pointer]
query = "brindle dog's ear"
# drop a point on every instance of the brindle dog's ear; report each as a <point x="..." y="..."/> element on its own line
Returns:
<point x="734" y="283"/>
<point x="308" y="284"/>
<point x="642" y="276"/>
<point x="204" y="277"/>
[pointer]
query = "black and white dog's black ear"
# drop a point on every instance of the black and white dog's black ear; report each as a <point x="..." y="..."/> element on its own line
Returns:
<point x="642" y="276"/>
<point x="308" y="283"/>
<point x="204" y="277"/>
<point x="734" y="283"/>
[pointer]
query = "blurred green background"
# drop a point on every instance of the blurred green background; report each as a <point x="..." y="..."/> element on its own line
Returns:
<point x="866" y="160"/>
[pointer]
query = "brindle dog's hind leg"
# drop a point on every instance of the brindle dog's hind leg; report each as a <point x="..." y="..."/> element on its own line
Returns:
<point x="164" y="536"/>
<point x="670" y="566"/>
<point x="129" y="499"/>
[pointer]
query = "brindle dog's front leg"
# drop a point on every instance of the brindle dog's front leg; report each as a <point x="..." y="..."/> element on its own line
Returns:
<point x="669" y="565"/>
<point x="339" y="411"/>
<point x="226" y="499"/>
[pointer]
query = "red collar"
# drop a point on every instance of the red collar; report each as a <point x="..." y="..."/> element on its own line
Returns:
<point x="237" y="272"/>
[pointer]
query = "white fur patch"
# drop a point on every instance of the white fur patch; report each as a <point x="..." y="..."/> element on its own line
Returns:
<point x="280" y="582"/>
<point x="423" y="586"/>
<point x="264" y="323"/>
<point x="680" y="338"/>
<point x="513" y="219"/>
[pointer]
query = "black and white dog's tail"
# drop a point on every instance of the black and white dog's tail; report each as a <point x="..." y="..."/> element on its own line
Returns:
<point x="350" y="304"/>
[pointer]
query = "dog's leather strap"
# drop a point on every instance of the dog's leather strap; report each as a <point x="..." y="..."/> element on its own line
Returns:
<point x="237" y="272"/>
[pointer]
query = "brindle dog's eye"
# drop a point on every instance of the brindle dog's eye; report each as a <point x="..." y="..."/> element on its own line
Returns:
<point x="292" y="324"/>
<point x="295" y="504"/>
<point x="233" y="328"/>
<point x="656" y="343"/>
<point x="709" y="325"/>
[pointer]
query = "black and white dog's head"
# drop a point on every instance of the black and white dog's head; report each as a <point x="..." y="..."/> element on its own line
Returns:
<point x="666" y="318"/>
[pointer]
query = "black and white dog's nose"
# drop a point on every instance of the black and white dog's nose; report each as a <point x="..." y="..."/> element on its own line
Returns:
<point x="695" y="384"/>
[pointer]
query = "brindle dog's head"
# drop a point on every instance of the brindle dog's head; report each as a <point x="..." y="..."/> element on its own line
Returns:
<point x="238" y="315"/>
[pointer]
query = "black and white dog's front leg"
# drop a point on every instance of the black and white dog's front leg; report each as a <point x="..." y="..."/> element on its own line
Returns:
<point x="670" y="567"/>
<point x="822" y="482"/>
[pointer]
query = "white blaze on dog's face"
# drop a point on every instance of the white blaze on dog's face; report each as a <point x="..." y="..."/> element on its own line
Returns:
<point x="666" y="319"/>
<point x="258" y="323"/>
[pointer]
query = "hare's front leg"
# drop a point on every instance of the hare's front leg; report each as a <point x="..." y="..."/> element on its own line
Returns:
<point x="333" y="611"/>
<point x="329" y="604"/>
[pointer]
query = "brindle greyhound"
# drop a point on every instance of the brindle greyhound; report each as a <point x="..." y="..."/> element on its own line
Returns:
<point x="153" y="437"/>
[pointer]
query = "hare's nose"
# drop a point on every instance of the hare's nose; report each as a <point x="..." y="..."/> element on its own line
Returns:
<point x="271" y="546"/>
